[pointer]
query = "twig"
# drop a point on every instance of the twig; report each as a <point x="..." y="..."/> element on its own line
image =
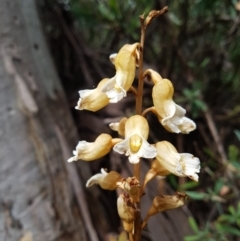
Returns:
<point x="216" y="137"/>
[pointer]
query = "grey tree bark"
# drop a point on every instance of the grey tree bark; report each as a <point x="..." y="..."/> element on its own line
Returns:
<point x="40" y="195"/>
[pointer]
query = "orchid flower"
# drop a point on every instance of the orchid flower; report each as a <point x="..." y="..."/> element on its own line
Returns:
<point x="125" y="63"/>
<point x="170" y="115"/>
<point x="180" y="164"/>
<point x="89" y="151"/>
<point x="94" y="99"/>
<point x="135" y="144"/>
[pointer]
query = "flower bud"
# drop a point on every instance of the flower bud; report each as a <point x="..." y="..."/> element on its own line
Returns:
<point x="132" y="186"/>
<point x="94" y="99"/>
<point x="89" y="151"/>
<point x="163" y="203"/>
<point x="135" y="144"/>
<point x="126" y="211"/>
<point x="105" y="180"/>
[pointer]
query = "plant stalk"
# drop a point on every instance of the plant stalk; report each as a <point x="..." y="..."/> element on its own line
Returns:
<point x="136" y="171"/>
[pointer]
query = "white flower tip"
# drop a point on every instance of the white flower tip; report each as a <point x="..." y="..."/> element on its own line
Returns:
<point x="96" y="179"/>
<point x="103" y="171"/>
<point x="187" y="125"/>
<point x="82" y="145"/>
<point x="194" y="177"/>
<point x="134" y="159"/>
<point x="114" y="126"/>
<point x="112" y="57"/>
<point x="115" y="96"/>
<point x="79" y="105"/>
<point x="71" y="159"/>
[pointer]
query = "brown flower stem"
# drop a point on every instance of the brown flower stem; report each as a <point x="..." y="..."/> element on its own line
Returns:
<point x="152" y="109"/>
<point x="136" y="171"/>
<point x="139" y="97"/>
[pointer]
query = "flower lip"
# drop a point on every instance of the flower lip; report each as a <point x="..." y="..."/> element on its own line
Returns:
<point x="135" y="144"/>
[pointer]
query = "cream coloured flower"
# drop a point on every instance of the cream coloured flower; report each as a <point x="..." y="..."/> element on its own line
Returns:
<point x="170" y="115"/>
<point x="105" y="180"/>
<point x="135" y="144"/>
<point x="180" y="164"/>
<point x="125" y="64"/>
<point x="89" y="151"/>
<point x="94" y="99"/>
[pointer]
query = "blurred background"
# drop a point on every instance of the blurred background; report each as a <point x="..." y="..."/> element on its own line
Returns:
<point x="52" y="49"/>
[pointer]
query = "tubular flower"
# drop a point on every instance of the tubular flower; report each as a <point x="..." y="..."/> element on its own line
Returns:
<point x="170" y="115"/>
<point x="180" y="164"/>
<point x="89" y="151"/>
<point x="135" y="144"/>
<point x="105" y="180"/>
<point x="94" y="99"/>
<point x="125" y="63"/>
<point x="165" y="202"/>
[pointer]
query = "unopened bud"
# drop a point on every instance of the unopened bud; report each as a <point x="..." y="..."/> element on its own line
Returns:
<point x="126" y="211"/>
<point x="131" y="186"/>
<point x="105" y="180"/>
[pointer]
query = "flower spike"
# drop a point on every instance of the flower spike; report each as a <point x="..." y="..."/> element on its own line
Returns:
<point x="135" y="144"/>
<point x="125" y="63"/>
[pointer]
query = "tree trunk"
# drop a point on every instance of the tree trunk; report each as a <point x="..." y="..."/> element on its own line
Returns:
<point x="39" y="192"/>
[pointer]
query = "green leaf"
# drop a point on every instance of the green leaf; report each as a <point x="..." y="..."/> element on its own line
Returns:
<point x="193" y="224"/>
<point x="197" y="195"/>
<point x="200" y="104"/>
<point x="218" y="185"/>
<point x="228" y="229"/>
<point x="189" y="185"/>
<point x="205" y="62"/>
<point x="191" y="238"/>
<point x="174" y="18"/>
<point x="231" y="210"/>
<point x="237" y="133"/>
